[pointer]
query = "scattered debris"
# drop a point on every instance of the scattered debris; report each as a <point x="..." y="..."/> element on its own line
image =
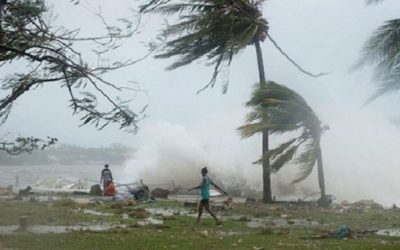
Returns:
<point x="227" y="203"/>
<point x="344" y="232"/>
<point x="25" y="192"/>
<point x="392" y="232"/>
<point x="359" y="206"/>
<point x="160" y="193"/>
<point x="95" y="190"/>
<point x="6" y="190"/>
<point x="140" y="193"/>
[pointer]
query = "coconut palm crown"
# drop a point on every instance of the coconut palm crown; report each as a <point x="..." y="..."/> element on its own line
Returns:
<point x="280" y="110"/>
<point x="214" y="30"/>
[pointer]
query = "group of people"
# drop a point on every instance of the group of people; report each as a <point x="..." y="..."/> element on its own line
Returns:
<point x="109" y="190"/>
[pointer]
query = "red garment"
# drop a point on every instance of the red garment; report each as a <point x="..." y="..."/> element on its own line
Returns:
<point x="110" y="189"/>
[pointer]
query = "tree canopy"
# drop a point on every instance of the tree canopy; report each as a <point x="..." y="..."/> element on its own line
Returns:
<point x="211" y="30"/>
<point x="280" y="110"/>
<point x="49" y="55"/>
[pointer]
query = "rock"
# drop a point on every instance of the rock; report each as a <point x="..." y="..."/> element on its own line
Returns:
<point x="95" y="190"/>
<point x="160" y="193"/>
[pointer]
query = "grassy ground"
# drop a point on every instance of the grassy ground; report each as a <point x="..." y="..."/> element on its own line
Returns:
<point x="180" y="232"/>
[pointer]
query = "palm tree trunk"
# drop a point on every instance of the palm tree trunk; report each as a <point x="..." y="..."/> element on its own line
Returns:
<point x="267" y="191"/>
<point x="321" y="179"/>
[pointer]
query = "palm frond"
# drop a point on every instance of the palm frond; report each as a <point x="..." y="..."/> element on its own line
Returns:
<point x="279" y="110"/>
<point x="307" y="160"/>
<point x="212" y="30"/>
<point x="283" y="158"/>
<point x="383" y="50"/>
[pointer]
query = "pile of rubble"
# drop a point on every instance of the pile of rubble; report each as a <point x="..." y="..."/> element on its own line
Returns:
<point x="359" y="206"/>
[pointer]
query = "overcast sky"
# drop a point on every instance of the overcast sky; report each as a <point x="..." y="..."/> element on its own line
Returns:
<point x="360" y="150"/>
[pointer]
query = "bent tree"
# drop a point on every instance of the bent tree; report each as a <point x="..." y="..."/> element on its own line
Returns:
<point x="281" y="110"/>
<point x="48" y="55"/>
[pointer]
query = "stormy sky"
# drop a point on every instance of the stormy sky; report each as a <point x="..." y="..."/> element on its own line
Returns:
<point x="360" y="149"/>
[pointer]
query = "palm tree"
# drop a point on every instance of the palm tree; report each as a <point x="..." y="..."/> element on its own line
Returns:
<point x="280" y="110"/>
<point x="216" y="30"/>
<point x="382" y="50"/>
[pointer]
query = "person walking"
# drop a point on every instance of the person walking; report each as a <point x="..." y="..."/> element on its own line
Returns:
<point x="205" y="195"/>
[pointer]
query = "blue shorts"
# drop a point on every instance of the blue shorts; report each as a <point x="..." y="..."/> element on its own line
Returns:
<point x="204" y="201"/>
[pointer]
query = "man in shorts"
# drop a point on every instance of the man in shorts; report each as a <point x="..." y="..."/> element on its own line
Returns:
<point x="205" y="195"/>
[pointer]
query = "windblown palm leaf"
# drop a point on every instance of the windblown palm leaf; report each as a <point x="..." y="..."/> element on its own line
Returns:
<point x="213" y="30"/>
<point x="382" y="50"/>
<point x="280" y="110"/>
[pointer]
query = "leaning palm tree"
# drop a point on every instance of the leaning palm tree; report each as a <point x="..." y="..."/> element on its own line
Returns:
<point x="280" y="110"/>
<point x="382" y="50"/>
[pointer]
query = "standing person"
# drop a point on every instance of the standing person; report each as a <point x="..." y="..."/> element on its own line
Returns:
<point x="106" y="176"/>
<point x="205" y="195"/>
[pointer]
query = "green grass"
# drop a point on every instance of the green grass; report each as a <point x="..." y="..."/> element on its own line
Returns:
<point x="181" y="232"/>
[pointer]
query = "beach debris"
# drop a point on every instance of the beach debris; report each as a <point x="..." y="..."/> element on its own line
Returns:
<point x="160" y="193"/>
<point x="25" y="192"/>
<point x="140" y="193"/>
<point x="258" y="248"/>
<point x="6" y="190"/>
<point x="204" y="233"/>
<point x="344" y="232"/>
<point x="359" y="206"/>
<point x="368" y="205"/>
<point x="95" y="190"/>
<point x="227" y="203"/>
